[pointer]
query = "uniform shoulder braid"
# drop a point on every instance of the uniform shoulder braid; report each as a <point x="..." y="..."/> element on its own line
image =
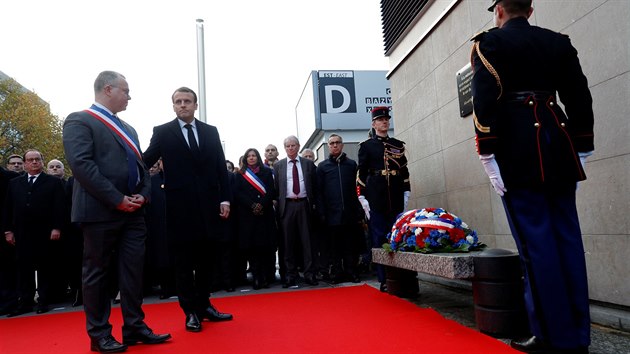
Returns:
<point x="479" y="35"/>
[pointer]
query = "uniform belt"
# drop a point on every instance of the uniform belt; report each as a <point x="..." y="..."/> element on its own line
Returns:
<point x="296" y="199"/>
<point x="384" y="172"/>
<point x="522" y="96"/>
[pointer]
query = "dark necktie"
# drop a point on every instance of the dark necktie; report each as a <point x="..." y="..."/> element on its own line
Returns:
<point x="192" y="142"/>
<point x="296" y="179"/>
<point x="30" y="181"/>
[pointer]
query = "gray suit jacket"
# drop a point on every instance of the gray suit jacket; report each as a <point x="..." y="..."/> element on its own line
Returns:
<point x="310" y="181"/>
<point x="98" y="161"/>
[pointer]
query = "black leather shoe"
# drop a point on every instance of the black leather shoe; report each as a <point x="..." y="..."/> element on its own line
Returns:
<point x="531" y="345"/>
<point x="20" y="311"/>
<point x="192" y="323"/>
<point x="311" y="281"/>
<point x="290" y="283"/>
<point x="107" y="345"/>
<point x="212" y="315"/>
<point x="146" y="337"/>
<point x="355" y="279"/>
<point x="42" y="308"/>
<point x="383" y="287"/>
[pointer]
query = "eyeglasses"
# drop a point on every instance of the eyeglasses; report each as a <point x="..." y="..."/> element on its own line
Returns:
<point x="34" y="159"/>
<point x="335" y="143"/>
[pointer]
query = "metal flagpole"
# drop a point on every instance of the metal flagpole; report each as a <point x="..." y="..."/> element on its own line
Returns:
<point x="201" y="71"/>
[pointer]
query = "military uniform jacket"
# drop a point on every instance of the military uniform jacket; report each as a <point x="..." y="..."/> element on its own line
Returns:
<point x="518" y="69"/>
<point x="382" y="175"/>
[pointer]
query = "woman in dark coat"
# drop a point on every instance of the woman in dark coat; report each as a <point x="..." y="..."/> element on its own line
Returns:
<point x="254" y="191"/>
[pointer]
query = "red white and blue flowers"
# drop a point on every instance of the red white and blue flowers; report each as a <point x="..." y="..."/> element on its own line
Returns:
<point x="431" y="230"/>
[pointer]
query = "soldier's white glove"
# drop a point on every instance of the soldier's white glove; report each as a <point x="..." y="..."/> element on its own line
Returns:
<point x="406" y="199"/>
<point x="492" y="170"/>
<point x="365" y="205"/>
<point x="583" y="156"/>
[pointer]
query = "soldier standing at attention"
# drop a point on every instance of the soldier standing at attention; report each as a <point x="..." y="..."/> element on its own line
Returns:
<point x="382" y="181"/>
<point x="534" y="155"/>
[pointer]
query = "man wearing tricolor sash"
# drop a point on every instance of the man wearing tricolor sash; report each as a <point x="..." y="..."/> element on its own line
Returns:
<point x="111" y="186"/>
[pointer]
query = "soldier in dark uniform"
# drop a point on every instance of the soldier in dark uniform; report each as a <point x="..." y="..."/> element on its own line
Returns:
<point x="534" y="156"/>
<point x="382" y="181"/>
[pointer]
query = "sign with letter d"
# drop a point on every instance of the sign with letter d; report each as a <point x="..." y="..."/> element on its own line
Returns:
<point x="336" y="92"/>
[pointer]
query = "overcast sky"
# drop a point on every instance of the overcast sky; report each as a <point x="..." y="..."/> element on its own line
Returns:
<point x="258" y="56"/>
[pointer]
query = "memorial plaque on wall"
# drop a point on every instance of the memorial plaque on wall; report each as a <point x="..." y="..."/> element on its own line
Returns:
<point x="464" y="90"/>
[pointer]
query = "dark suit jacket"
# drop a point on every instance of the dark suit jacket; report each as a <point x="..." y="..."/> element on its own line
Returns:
<point x="33" y="213"/>
<point x="98" y="160"/>
<point x="310" y="182"/>
<point x="194" y="185"/>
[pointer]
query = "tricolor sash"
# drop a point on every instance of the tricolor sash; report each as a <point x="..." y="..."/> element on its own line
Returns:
<point x="130" y="145"/>
<point x="251" y="177"/>
<point x="107" y="119"/>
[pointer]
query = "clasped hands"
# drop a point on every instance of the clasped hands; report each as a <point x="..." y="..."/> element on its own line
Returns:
<point x="257" y="209"/>
<point x="132" y="203"/>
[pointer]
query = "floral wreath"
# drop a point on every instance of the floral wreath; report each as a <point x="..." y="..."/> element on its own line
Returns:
<point x="431" y="230"/>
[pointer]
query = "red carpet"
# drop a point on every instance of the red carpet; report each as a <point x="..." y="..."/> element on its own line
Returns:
<point x="357" y="319"/>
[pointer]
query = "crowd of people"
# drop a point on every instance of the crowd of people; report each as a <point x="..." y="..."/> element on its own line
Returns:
<point x="179" y="219"/>
<point x="35" y="215"/>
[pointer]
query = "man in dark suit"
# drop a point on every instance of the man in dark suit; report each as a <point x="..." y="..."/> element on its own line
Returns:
<point x="534" y="155"/>
<point x="198" y="197"/>
<point x="296" y="184"/>
<point x="33" y="216"/>
<point x="111" y="186"/>
<point x="15" y="163"/>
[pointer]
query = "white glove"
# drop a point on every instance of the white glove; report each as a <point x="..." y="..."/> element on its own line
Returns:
<point x="365" y="205"/>
<point x="583" y="156"/>
<point x="492" y="170"/>
<point x="406" y="199"/>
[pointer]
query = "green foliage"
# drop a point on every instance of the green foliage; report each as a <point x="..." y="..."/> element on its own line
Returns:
<point x="26" y="123"/>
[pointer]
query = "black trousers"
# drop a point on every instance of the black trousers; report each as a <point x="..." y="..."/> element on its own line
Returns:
<point x="193" y="273"/>
<point x="296" y="228"/>
<point x="115" y="246"/>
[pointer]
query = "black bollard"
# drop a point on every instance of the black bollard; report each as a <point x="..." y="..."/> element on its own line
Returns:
<point x="402" y="282"/>
<point x="498" y="294"/>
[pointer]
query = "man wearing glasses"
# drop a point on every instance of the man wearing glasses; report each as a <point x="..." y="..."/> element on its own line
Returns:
<point x="341" y="211"/>
<point x="111" y="186"/>
<point x="32" y="219"/>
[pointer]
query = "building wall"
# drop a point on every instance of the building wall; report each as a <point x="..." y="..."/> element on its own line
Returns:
<point x="445" y="170"/>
